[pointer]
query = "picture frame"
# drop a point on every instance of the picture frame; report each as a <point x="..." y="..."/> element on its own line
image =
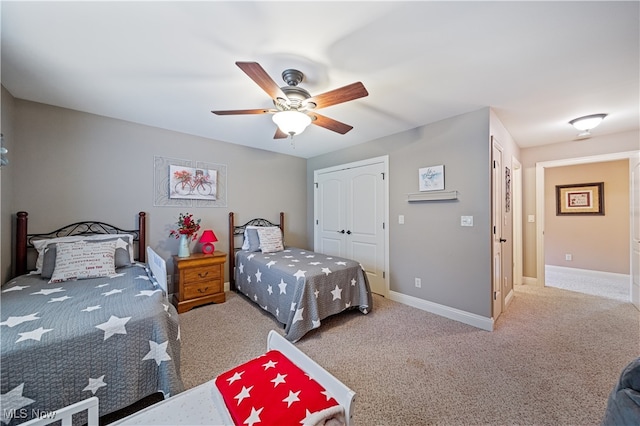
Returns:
<point x="431" y="178"/>
<point x="580" y="199"/>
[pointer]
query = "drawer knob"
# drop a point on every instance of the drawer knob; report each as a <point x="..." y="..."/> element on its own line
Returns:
<point x="201" y="275"/>
<point x="203" y="290"/>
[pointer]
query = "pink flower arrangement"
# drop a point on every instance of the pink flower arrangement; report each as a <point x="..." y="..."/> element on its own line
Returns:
<point x="187" y="225"/>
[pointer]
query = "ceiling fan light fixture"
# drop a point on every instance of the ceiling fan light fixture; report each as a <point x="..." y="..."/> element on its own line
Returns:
<point x="291" y="122"/>
<point x="588" y="122"/>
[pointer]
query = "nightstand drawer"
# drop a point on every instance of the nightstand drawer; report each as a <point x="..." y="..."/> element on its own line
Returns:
<point x="195" y="275"/>
<point x="203" y="288"/>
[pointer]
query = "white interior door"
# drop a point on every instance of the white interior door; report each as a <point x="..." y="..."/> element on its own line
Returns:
<point x="350" y="216"/>
<point x="497" y="201"/>
<point x="635" y="230"/>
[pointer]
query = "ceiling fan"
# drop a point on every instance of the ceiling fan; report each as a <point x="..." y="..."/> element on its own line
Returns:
<point x="294" y="106"/>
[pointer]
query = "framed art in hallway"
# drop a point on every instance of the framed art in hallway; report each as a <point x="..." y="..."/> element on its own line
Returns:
<point x="580" y="199"/>
<point x="431" y="178"/>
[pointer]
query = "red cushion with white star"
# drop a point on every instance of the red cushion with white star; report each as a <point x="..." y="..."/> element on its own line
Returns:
<point x="271" y="390"/>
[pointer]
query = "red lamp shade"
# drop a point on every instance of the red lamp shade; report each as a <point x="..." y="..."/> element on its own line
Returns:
<point x="207" y="239"/>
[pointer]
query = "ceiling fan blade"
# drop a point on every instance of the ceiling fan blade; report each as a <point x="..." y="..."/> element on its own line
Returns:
<point x="255" y="71"/>
<point x="338" y="96"/>
<point x="330" y="123"/>
<point x="243" y="111"/>
<point x="280" y="134"/>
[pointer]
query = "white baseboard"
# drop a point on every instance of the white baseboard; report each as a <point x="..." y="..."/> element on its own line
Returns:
<point x="585" y="272"/>
<point x="444" y="311"/>
<point x="529" y="281"/>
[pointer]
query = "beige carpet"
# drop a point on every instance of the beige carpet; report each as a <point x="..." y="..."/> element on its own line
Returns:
<point x="552" y="360"/>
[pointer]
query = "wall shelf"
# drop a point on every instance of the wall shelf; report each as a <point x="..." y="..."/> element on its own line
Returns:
<point x="432" y="196"/>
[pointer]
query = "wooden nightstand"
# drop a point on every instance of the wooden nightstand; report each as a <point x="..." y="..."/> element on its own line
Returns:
<point x="199" y="279"/>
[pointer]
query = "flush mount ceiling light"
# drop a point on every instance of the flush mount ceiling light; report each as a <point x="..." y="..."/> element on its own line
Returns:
<point x="586" y="123"/>
<point x="291" y="122"/>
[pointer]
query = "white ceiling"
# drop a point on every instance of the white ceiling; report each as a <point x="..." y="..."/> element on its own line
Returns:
<point x="168" y="64"/>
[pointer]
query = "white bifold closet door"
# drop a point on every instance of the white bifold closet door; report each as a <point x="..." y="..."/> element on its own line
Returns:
<point x="349" y="220"/>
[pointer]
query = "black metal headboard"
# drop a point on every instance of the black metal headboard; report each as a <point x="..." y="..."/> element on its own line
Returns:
<point x="235" y="231"/>
<point x="25" y="240"/>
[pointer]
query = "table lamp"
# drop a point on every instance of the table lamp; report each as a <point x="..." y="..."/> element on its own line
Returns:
<point x="207" y="239"/>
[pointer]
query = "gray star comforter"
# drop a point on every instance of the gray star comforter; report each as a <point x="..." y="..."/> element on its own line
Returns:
<point x="116" y="338"/>
<point x="301" y="288"/>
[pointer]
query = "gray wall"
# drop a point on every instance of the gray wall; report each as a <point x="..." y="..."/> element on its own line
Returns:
<point x="71" y="166"/>
<point x="453" y="262"/>
<point x="7" y="119"/>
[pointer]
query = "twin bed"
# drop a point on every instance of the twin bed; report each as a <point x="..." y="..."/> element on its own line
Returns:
<point x="298" y="287"/>
<point x="115" y="336"/>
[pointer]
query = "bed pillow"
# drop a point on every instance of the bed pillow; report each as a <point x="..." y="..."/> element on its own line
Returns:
<point x="246" y="243"/>
<point x="270" y="239"/>
<point x="121" y="256"/>
<point x="41" y="245"/>
<point x="82" y="259"/>
<point x="254" y="240"/>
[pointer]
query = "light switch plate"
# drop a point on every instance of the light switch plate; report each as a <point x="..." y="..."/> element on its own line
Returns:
<point x="466" y="220"/>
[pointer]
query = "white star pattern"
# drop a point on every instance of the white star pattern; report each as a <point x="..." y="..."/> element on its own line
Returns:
<point x="315" y="323"/>
<point x="293" y="397"/>
<point x="280" y="378"/>
<point x="254" y="417"/>
<point x="95" y="384"/>
<point x="236" y="376"/>
<point x="148" y="293"/>
<point x="48" y="291"/>
<point x="249" y="279"/>
<point x="244" y="393"/>
<point x="251" y="256"/>
<point x="283" y="286"/>
<point x="326" y="271"/>
<point x="116" y="275"/>
<point x="13" y="401"/>
<point x="271" y="263"/>
<point x="258" y="276"/>
<point x="13" y="321"/>
<point x="270" y="290"/>
<point x="115" y="325"/>
<point x="337" y="293"/>
<point x="298" y="316"/>
<point x="316" y="293"/>
<point x="59" y="299"/>
<point x="353" y="282"/>
<point x="299" y="274"/>
<point x="102" y="285"/>
<point x="33" y="335"/>
<point x="16" y="288"/>
<point x="142" y="277"/>
<point x="114" y="291"/>
<point x="341" y="263"/>
<point x="326" y="394"/>
<point x="241" y="268"/>
<point x="315" y="263"/>
<point x="269" y="364"/>
<point x="158" y="352"/>
<point x="92" y="308"/>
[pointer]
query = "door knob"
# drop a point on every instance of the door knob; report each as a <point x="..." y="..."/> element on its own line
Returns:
<point x="502" y="240"/>
<point x="349" y="232"/>
<point x="341" y="232"/>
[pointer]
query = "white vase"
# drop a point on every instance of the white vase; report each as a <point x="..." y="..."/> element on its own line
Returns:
<point x="183" y="246"/>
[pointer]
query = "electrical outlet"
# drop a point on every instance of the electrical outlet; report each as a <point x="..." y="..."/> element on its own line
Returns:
<point x="568" y="257"/>
<point x="418" y="283"/>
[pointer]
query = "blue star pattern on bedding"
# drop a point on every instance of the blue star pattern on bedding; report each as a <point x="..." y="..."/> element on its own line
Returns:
<point x="114" y="337"/>
<point x="301" y="288"/>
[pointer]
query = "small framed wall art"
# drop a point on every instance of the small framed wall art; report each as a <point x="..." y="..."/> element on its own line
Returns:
<point x="431" y="178"/>
<point x="580" y="199"/>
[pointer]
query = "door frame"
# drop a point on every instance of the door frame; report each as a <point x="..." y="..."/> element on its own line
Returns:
<point x="516" y="208"/>
<point x="540" y="207"/>
<point x="384" y="159"/>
